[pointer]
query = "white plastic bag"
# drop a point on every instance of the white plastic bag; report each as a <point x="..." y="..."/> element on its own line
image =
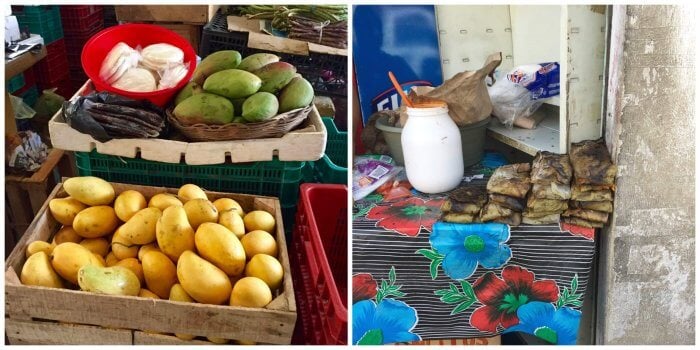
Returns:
<point x="519" y="93"/>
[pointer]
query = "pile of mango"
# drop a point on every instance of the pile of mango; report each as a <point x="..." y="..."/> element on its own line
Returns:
<point x="227" y="89"/>
<point x="182" y="248"/>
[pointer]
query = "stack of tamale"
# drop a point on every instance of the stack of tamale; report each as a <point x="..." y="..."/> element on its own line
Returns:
<point x="551" y="189"/>
<point x="463" y="205"/>
<point x="507" y="188"/>
<point x="593" y="184"/>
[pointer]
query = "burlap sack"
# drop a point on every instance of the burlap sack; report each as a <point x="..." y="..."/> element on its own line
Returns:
<point x="466" y="94"/>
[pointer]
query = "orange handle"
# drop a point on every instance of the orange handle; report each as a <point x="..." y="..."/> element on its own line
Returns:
<point x="398" y="88"/>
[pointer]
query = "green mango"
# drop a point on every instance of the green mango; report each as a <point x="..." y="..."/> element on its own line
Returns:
<point x="216" y="62"/>
<point x="275" y="76"/>
<point x="187" y="91"/>
<point x="257" y="61"/>
<point x="239" y="120"/>
<point x="232" y="83"/>
<point x="261" y="106"/>
<point x="204" y="108"/>
<point x="297" y="94"/>
<point x="115" y="280"/>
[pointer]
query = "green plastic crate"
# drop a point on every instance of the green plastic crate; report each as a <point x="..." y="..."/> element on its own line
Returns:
<point x="30" y="96"/>
<point x="15" y="83"/>
<point x="42" y="20"/>
<point x="332" y="168"/>
<point x="274" y="178"/>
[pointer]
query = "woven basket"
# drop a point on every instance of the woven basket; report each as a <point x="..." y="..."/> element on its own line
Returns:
<point x="276" y="126"/>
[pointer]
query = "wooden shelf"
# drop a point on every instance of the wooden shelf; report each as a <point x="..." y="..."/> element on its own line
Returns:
<point x="22" y="62"/>
<point x="545" y="137"/>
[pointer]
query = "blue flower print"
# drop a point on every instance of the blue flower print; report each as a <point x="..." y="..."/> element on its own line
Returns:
<point x="556" y="326"/>
<point x="464" y="246"/>
<point x="389" y="322"/>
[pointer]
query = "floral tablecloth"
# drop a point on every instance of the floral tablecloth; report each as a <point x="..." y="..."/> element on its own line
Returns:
<point x="415" y="278"/>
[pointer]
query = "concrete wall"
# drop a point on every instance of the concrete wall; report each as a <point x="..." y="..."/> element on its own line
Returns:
<point x="647" y="271"/>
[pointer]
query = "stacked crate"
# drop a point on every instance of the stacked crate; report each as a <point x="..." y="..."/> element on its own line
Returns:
<point x="52" y="71"/>
<point x="80" y="23"/>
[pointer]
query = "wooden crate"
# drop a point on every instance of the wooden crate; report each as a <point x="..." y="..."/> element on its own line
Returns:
<point x="308" y="143"/>
<point x="191" y="32"/>
<point x="34" y="306"/>
<point x="195" y="14"/>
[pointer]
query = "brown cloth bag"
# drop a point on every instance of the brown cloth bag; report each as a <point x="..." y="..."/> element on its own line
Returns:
<point x="466" y="94"/>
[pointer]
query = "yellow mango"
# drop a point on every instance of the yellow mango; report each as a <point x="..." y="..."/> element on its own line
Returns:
<point x="134" y="265"/>
<point x="95" y="222"/>
<point x="99" y="246"/>
<point x="66" y="234"/>
<point x="224" y="204"/>
<point x="163" y="200"/>
<point x="203" y="281"/>
<point x="122" y="247"/>
<point x="250" y="292"/>
<point x="39" y="246"/>
<point x="174" y="233"/>
<point x="232" y="221"/>
<point x="147" y="248"/>
<point x="145" y="293"/>
<point x="111" y="260"/>
<point x="189" y="192"/>
<point x="69" y="257"/>
<point x="128" y="203"/>
<point x="64" y="210"/>
<point x="159" y="272"/>
<point x="200" y="211"/>
<point x="141" y="228"/>
<point x="90" y="190"/>
<point x="221" y="247"/>
<point x="37" y="271"/>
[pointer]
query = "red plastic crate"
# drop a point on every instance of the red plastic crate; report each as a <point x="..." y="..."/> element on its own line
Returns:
<point x="54" y="67"/>
<point x="319" y="251"/>
<point x="75" y="43"/>
<point x="78" y="19"/>
<point x="65" y="88"/>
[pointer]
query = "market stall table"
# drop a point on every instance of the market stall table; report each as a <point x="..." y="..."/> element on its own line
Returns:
<point x="414" y="279"/>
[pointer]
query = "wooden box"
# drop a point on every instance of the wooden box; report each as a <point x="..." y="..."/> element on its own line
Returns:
<point x="305" y="144"/>
<point x="39" y="315"/>
<point x="195" y="14"/>
<point x="191" y="32"/>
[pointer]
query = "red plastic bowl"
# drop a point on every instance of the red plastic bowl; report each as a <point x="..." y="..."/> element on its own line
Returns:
<point x="135" y="34"/>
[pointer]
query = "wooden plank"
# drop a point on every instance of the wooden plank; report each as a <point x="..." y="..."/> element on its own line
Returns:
<point x="271" y="326"/>
<point x="543" y="138"/>
<point x="10" y="121"/>
<point x="54" y="333"/>
<point x="196" y="14"/>
<point x="20" y="213"/>
<point x="306" y="144"/>
<point x="40" y="229"/>
<point x="143" y="338"/>
<point x="22" y="62"/>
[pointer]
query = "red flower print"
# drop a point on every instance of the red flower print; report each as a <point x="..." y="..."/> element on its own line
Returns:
<point x="408" y="216"/>
<point x="585" y="232"/>
<point x="363" y="287"/>
<point x="503" y="296"/>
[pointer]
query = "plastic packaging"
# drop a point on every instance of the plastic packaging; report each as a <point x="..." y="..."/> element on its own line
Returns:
<point x="519" y="93"/>
<point x="370" y="172"/>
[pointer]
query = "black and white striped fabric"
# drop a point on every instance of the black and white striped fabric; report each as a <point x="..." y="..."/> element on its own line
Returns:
<point x="547" y="251"/>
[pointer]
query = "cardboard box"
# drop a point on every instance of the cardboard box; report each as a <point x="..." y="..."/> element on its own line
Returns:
<point x="194" y="14"/>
